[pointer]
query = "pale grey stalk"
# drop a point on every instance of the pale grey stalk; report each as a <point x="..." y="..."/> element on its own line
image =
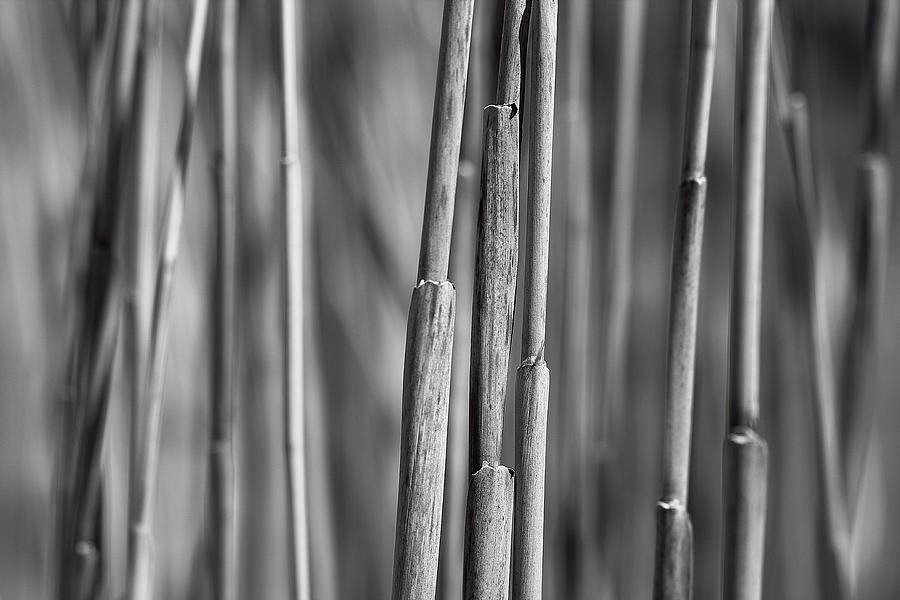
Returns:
<point x="533" y="376"/>
<point x="674" y="536"/>
<point x="746" y="453"/>
<point x="429" y="337"/>
<point x="292" y="193"/>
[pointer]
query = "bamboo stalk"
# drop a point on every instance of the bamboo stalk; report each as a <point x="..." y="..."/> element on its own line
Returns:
<point x="86" y="401"/>
<point x="292" y="191"/>
<point x="533" y="376"/>
<point x="674" y="537"/>
<point x="139" y="584"/>
<point x="871" y="242"/>
<point x="489" y="517"/>
<point x="429" y="337"/>
<point x="222" y="548"/>
<point x="746" y="453"/>
<point x="833" y="532"/>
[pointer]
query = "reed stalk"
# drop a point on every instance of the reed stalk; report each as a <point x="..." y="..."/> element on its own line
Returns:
<point x="674" y="534"/>
<point x="142" y="484"/>
<point x="833" y="531"/>
<point x="222" y="548"/>
<point x="493" y="309"/>
<point x="86" y="399"/>
<point x="294" y="403"/>
<point x="746" y="453"/>
<point x="533" y="376"/>
<point x="871" y="243"/>
<point x="429" y="335"/>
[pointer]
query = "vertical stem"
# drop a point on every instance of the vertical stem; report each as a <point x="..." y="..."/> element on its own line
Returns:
<point x="533" y="377"/>
<point x="674" y="545"/>
<point x="222" y="546"/>
<point x="292" y="192"/>
<point x="143" y="478"/>
<point x="746" y="453"/>
<point x="429" y="336"/>
<point x="446" y="137"/>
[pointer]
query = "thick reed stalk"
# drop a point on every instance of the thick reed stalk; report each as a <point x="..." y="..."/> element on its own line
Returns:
<point x="746" y="453"/>
<point x="513" y="46"/>
<point x="576" y="479"/>
<point x="533" y="376"/>
<point x="489" y="517"/>
<point x="833" y="531"/>
<point x="222" y="547"/>
<point x="139" y="584"/>
<point x="429" y="335"/>
<point x="493" y="308"/>
<point x="86" y="400"/>
<point x="674" y="536"/>
<point x="292" y="193"/>
<point x="871" y="242"/>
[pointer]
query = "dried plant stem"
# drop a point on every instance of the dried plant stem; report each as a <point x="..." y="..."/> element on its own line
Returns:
<point x="833" y="532"/>
<point x="533" y="376"/>
<point x="294" y="405"/>
<point x="513" y="45"/>
<point x="85" y="404"/>
<point x="222" y="547"/>
<point x="493" y="308"/>
<point x="429" y="336"/>
<point x="746" y="453"/>
<point x="139" y="584"/>
<point x="871" y="243"/>
<point x="674" y="536"/>
<point x="446" y="137"/>
<point x="488" y="533"/>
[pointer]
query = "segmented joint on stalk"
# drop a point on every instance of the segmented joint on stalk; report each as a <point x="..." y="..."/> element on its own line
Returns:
<point x="424" y="282"/>
<point x="744" y="435"/>
<point x="693" y="182"/>
<point x="290" y="159"/>
<point x="494" y="467"/>
<point x="673" y="505"/>
<point x="536" y="360"/>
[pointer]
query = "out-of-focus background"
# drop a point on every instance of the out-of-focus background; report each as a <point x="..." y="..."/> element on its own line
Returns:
<point x="370" y="76"/>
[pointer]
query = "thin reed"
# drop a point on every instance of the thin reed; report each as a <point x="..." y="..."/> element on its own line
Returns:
<point x="533" y="376"/>
<point x="746" y="453"/>
<point x="674" y="534"/>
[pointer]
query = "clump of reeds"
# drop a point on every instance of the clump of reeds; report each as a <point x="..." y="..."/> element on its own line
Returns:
<point x="429" y="339"/>
<point x="79" y="525"/>
<point x="533" y="376"/>
<point x="142" y="485"/>
<point x="746" y="453"/>
<point x="674" y="536"/>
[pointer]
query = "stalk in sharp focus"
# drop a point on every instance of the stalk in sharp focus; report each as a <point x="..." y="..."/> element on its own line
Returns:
<point x="139" y="584"/>
<point x="746" y="453"/>
<point x="292" y="192"/>
<point x="86" y="401"/>
<point x="533" y="376"/>
<point x="489" y="501"/>
<point x="429" y="336"/>
<point x="871" y="243"/>
<point x="674" y="536"/>
<point x="833" y="530"/>
<point x="222" y="548"/>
